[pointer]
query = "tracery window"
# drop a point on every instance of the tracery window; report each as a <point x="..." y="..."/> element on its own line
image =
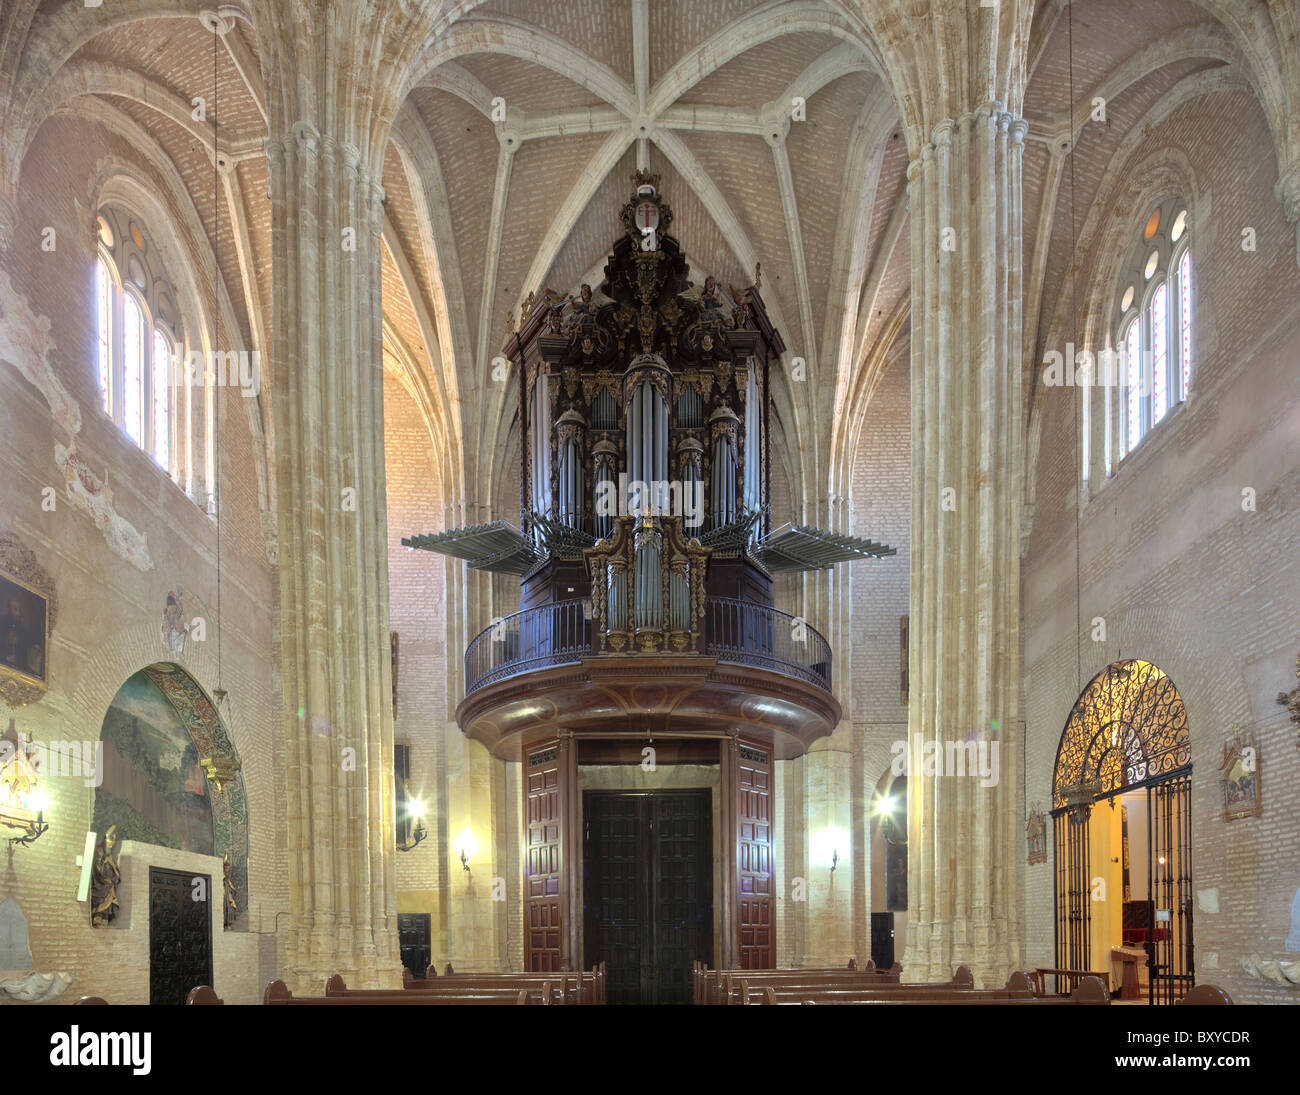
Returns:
<point x="140" y="348"/>
<point x="1154" y="327"/>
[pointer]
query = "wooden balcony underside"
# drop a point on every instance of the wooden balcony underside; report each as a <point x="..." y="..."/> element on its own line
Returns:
<point x="613" y="695"/>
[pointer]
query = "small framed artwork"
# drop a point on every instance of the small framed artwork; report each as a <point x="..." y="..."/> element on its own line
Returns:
<point x="1036" y="836"/>
<point x="24" y="631"/>
<point x="902" y="659"/>
<point x="1240" y="779"/>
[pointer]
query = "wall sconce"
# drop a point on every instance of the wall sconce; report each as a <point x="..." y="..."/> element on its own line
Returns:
<point x="885" y="805"/>
<point x="414" y="809"/>
<point x="23" y="805"/>
<point x="826" y="847"/>
<point x="468" y="850"/>
<point x="39" y="802"/>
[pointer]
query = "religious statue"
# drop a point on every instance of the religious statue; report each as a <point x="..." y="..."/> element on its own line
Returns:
<point x="581" y="319"/>
<point x="105" y="879"/>
<point x="1291" y="700"/>
<point x="230" y="904"/>
<point x="712" y="311"/>
<point x="174" y="629"/>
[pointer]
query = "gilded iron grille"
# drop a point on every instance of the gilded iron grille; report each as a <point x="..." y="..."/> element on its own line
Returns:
<point x="1127" y="727"/>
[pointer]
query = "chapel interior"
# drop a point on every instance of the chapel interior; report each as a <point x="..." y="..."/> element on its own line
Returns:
<point x="649" y="501"/>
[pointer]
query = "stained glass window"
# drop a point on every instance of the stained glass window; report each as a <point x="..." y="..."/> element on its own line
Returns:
<point x="133" y="342"/>
<point x="104" y="308"/>
<point x="1155" y="330"/>
<point x="1159" y="353"/>
<point x="162" y="363"/>
<point x="140" y="337"/>
<point x="1133" y="378"/>
<point x="1185" y="319"/>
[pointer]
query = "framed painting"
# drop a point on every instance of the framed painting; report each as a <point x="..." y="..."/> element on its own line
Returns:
<point x="1240" y="779"/>
<point x="26" y="618"/>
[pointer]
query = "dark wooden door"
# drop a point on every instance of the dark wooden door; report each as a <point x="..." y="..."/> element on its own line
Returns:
<point x="882" y="939"/>
<point x="648" y="891"/>
<point x="180" y="934"/>
<point x="415" y="943"/>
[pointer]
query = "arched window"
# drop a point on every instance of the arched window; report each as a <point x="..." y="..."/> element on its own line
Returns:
<point x="1154" y="327"/>
<point x="140" y="347"/>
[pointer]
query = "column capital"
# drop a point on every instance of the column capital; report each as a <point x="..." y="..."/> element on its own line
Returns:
<point x="1287" y="192"/>
<point x="8" y="222"/>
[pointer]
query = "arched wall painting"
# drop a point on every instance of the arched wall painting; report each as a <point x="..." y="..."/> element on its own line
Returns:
<point x="157" y="729"/>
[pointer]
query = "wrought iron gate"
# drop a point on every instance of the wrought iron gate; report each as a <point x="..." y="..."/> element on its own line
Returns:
<point x="1073" y="890"/>
<point x="1169" y="821"/>
<point x="1170" y="955"/>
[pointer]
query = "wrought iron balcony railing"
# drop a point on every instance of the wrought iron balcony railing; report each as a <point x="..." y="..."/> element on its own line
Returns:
<point x="562" y="633"/>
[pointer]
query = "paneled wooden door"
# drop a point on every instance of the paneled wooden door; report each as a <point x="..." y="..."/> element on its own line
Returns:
<point x="647" y="891"/>
<point x="180" y="934"/>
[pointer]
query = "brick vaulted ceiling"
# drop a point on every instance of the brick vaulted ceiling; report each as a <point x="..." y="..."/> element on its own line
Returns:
<point x="482" y="211"/>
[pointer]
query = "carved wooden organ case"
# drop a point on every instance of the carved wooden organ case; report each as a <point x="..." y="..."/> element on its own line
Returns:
<point x="644" y="410"/>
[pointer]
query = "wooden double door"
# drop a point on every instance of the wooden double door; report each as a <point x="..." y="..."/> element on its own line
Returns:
<point x="647" y="889"/>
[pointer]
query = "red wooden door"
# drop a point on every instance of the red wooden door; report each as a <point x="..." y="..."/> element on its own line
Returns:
<point x="543" y="904"/>
<point x="754" y="876"/>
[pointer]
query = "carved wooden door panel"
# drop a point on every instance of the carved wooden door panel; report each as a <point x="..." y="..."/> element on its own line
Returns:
<point x="180" y="934"/>
<point x="754" y="875"/>
<point x="543" y="906"/>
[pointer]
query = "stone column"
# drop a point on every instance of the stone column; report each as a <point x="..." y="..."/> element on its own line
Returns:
<point x="326" y="224"/>
<point x="964" y="192"/>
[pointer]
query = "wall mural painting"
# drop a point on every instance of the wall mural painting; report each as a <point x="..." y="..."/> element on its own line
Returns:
<point x="158" y="730"/>
<point x="153" y="788"/>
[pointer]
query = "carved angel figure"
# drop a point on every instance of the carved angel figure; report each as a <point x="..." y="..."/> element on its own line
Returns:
<point x="105" y="879"/>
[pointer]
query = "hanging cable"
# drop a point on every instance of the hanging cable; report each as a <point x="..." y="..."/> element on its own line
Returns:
<point x="216" y="334"/>
<point x="1078" y="407"/>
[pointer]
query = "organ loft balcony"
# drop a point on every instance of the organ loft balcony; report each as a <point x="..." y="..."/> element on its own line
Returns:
<point x="645" y="548"/>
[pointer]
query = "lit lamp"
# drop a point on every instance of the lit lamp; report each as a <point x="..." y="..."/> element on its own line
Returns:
<point x="468" y="850"/>
<point x="826" y="847"/>
<point x="414" y="809"/>
<point x="23" y="805"/>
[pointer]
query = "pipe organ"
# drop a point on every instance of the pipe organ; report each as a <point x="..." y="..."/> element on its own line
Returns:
<point x="644" y="544"/>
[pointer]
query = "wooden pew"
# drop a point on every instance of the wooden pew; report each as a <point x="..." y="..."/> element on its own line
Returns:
<point x="1206" y="994"/>
<point x="277" y="993"/>
<point x="203" y="994"/>
<point x="1017" y="992"/>
<point x="587" y="987"/>
<point x="710" y="986"/>
<point x="545" y="991"/>
<point x="961" y="989"/>
<point x="788" y="983"/>
<point x="1071" y="977"/>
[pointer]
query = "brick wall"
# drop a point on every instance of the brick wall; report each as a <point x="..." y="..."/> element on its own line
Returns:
<point x="110" y="611"/>
<point x="1181" y="575"/>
